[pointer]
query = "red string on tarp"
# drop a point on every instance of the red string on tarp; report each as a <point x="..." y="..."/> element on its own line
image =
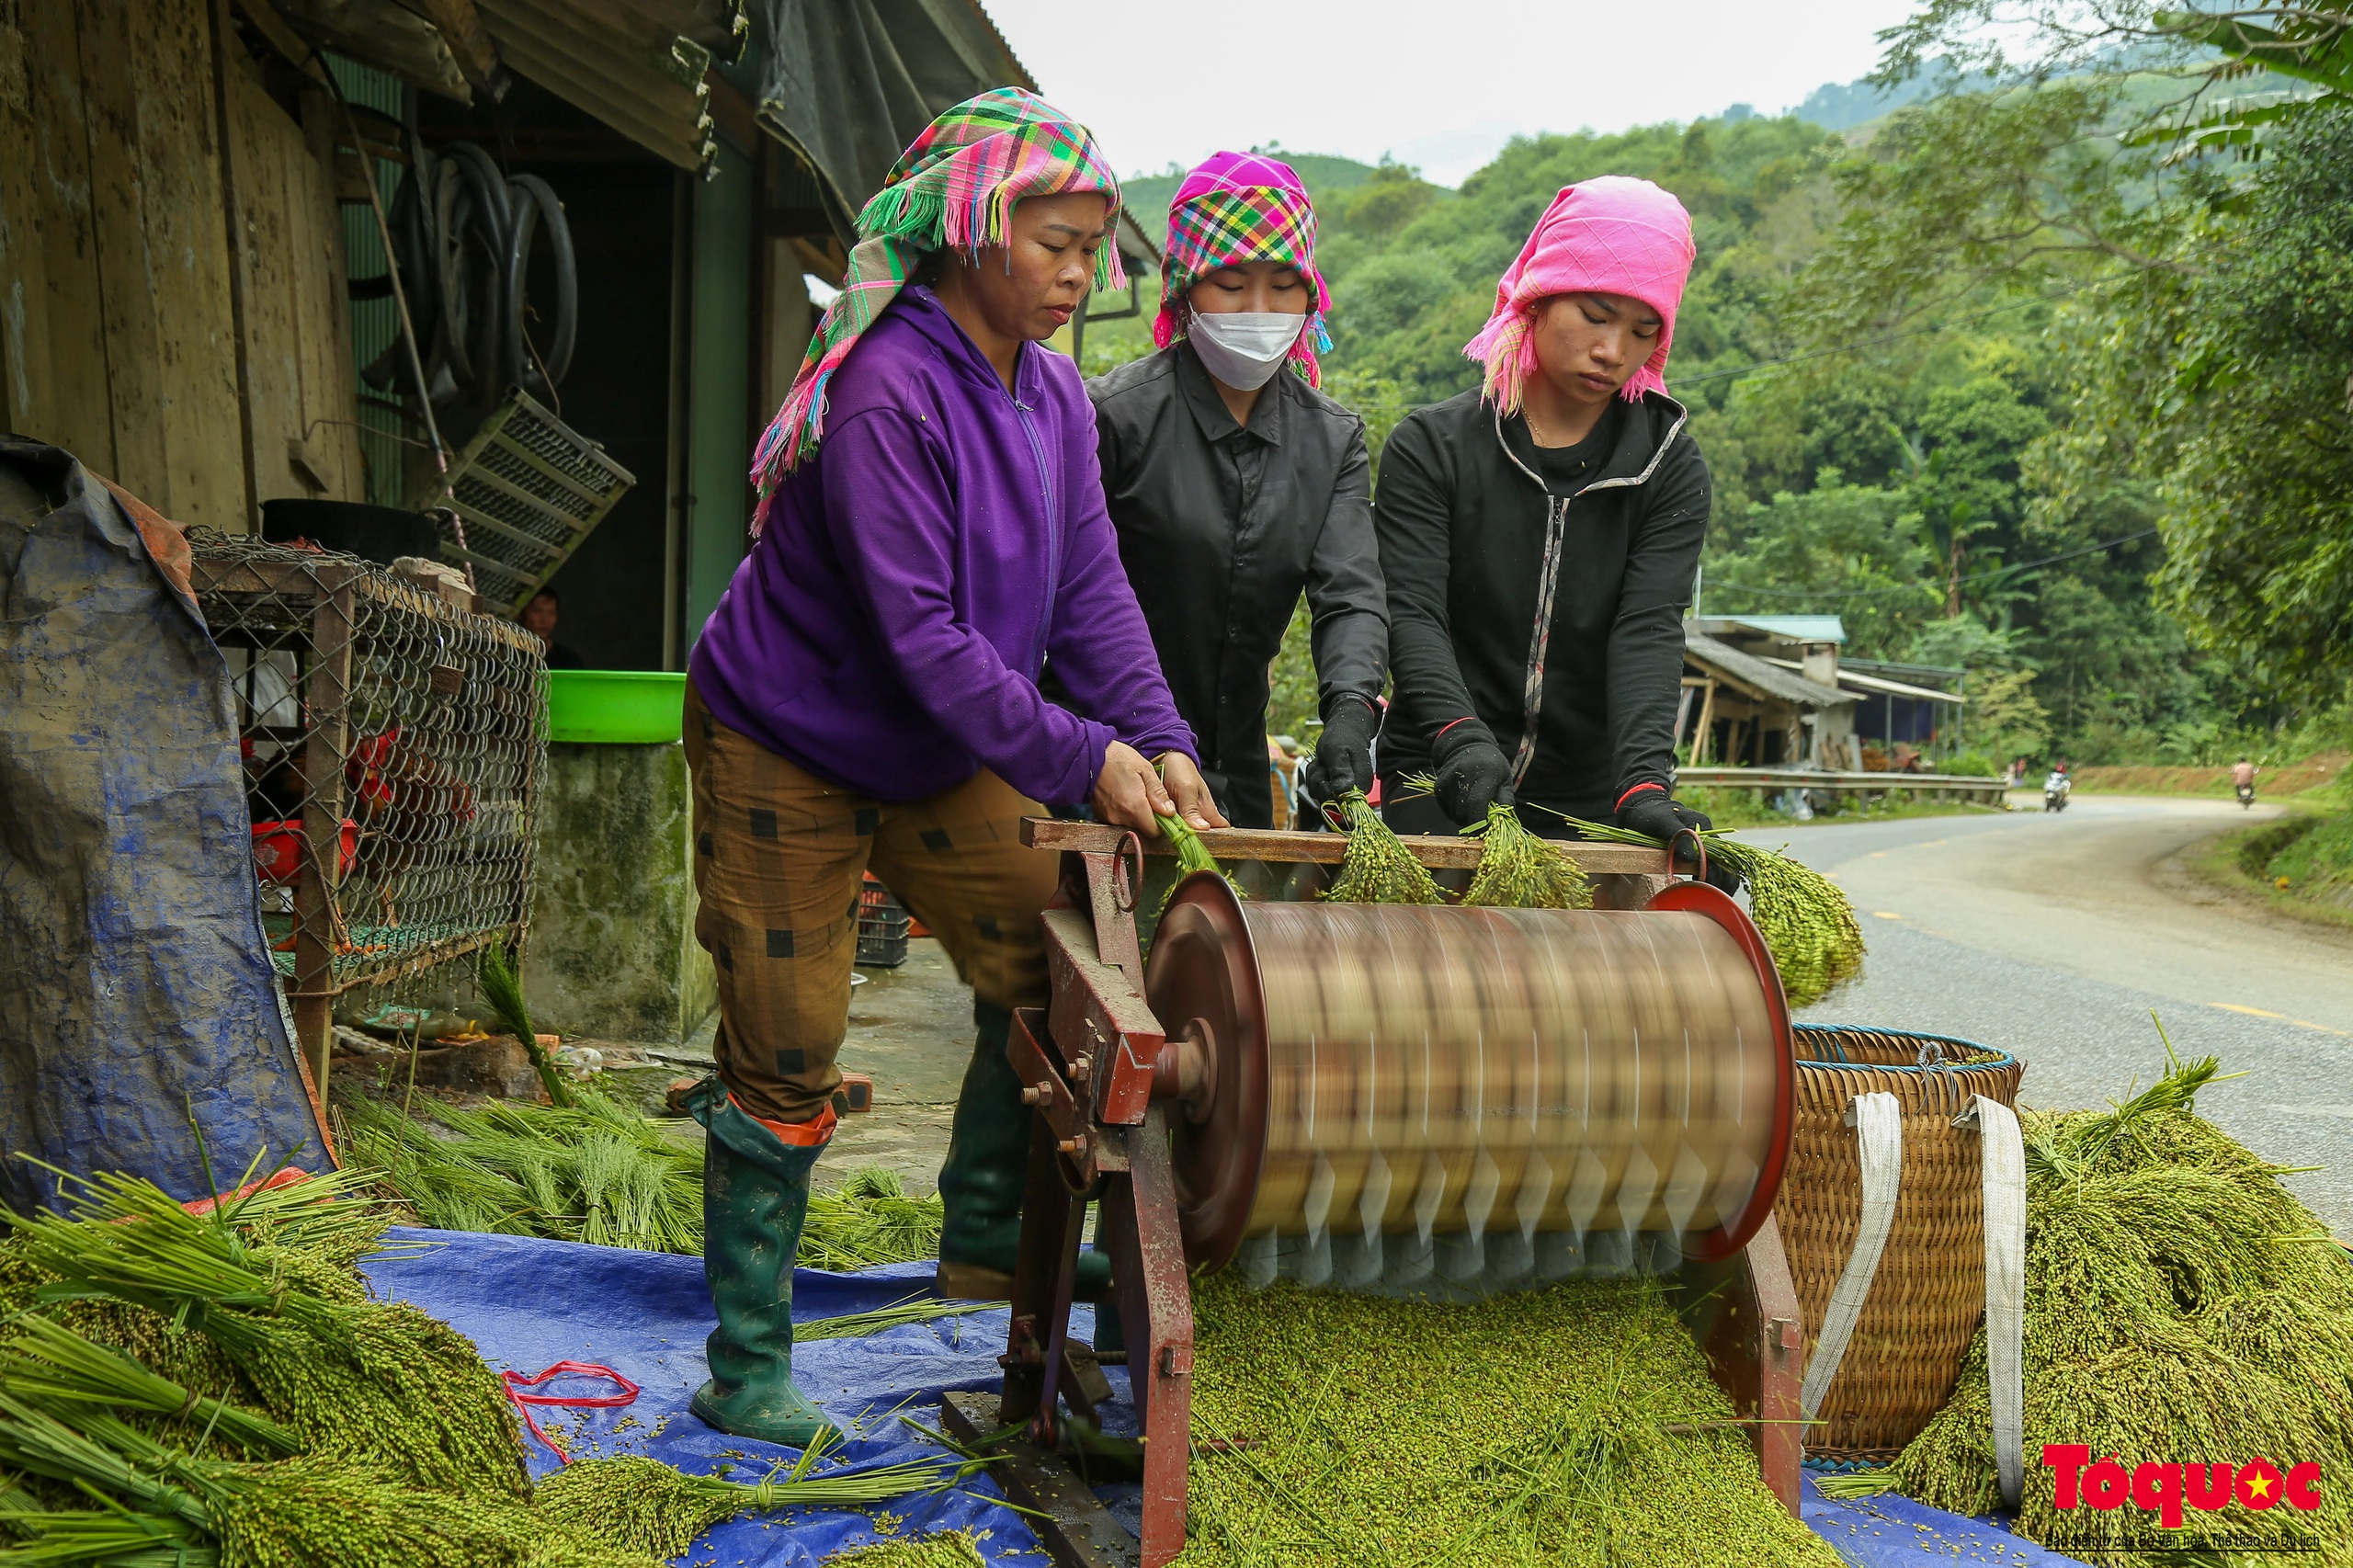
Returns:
<point x="289" y="1176"/>
<point x="517" y="1383"/>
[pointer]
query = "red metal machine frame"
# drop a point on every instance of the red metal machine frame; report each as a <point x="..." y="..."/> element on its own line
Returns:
<point x="1102" y="1074"/>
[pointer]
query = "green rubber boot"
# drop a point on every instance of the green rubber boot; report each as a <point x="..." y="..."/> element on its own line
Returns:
<point x="756" y="1198"/>
<point x="986" y="1173"/>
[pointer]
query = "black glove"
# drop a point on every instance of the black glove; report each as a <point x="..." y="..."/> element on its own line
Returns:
<point x="1473" y="773"/>
<point x="1343" y="759"/>
<point x="1656" y="812"/>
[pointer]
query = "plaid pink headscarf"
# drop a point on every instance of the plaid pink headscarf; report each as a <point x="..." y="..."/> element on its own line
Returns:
<point x="1238" y="207"/>
<point x="1611" y="235"/>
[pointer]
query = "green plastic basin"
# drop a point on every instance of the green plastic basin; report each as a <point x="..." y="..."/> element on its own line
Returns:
<point x="616" y="707"/>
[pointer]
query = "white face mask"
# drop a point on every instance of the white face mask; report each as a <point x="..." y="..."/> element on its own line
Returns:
<point x="1245" y="348"/>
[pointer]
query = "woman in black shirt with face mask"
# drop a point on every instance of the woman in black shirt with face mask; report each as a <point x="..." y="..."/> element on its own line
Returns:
<point x="1235" y="485"/>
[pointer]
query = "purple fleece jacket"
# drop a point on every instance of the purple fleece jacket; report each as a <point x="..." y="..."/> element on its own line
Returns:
<point x="889" y="628"/>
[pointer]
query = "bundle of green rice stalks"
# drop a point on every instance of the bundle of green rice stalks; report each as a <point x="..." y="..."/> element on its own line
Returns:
<point x="324" y="1217"/>
<point x="281" y="1306"/>
<point x="500" y="981"/>
<point x="601" y="1173"/>
<point x="1807" y="923"/>
<point x="162" y="1505"/>
<point x="871" y="1218"/>
<point x="1377" y="869"/>
<point x="947" y="1548"/>
<point x="921" y="1308"/>
<point x="2181" y="1308"/>
<point x="1571" y="1426"/>
<point x="1520" y="871"/>
<point x="1192" y="855"/>
<point x="46" y="1363"/>
<point x="648" y="1506"/>
<point x="593" y="1171"/>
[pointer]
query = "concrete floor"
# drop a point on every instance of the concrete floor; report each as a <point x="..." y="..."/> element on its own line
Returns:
<point x="911" y="1031"/>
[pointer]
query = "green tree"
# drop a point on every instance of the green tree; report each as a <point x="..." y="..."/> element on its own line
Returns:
<point x="1851" y="550"/>
<point x="2006" y="719"/>
<point x="2259" y="500"/>
<point x="1966" y="485"/>
<point x="1391" y="198"/>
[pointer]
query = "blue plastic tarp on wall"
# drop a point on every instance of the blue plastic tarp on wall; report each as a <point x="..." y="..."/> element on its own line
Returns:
<point x="529" y="1303"/>
<point x="136" y="991"/>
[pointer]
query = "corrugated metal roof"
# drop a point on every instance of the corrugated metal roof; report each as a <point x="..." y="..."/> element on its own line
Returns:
<point x="1746" y="669"/>
<point x="1861" y="682"/>
<point x="636" y="66"/>
<point x="1796" y="628"/>
<point x="633" y="65"/>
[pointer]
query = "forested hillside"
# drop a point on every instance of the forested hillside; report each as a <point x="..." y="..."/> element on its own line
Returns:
<point x="1893" y="436"/>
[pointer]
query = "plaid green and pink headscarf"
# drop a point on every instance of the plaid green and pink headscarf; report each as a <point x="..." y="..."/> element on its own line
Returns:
<point x="1238" y="207"/>
<point x="1611" y="235"/>
<point x="955" y="188"/>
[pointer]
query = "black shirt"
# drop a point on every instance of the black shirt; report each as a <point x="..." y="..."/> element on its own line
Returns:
<point x="1566" y="469"/>
<point x="1469" y="506"/>
<point x="1221" y="528"/>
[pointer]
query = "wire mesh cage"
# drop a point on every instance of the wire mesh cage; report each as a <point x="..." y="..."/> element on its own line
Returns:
<point x="394" y="744"/>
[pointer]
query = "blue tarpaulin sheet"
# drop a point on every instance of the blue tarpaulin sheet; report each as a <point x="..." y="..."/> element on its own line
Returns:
<point x="529" y="1303"/>
<point x="1888" y="1531"/>
<point x="137" y="1000"/>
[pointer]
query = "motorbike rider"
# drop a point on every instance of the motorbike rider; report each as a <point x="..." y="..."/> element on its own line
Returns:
<point x="2055" y="789"/>
<point x="2243" y="779"/>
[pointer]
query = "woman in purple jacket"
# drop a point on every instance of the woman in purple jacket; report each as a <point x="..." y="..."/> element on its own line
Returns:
<point x="931" y="532"/>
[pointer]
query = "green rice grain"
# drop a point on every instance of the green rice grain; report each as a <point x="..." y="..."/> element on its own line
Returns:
<point x="1571" y="1426"/>
<point x="1807" y="923"/>
<point x="948" y="1549"/>
<point x="1378" y="868"/>
<point x="1520" y="871"/>
<point x="2181" y="1306"/>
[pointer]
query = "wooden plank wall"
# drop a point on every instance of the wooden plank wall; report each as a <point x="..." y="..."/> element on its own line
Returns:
<point x="289" y="250"/>
<point x="120" y="293"/>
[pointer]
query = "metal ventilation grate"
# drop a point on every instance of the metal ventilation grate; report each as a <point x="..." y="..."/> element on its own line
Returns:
<point x="525" y="491"/>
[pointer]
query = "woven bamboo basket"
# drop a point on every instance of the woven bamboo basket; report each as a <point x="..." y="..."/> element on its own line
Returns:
<point x="1929" y="1293"/>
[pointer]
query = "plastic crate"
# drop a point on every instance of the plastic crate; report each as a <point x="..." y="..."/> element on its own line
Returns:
<point x="883" y="922"/>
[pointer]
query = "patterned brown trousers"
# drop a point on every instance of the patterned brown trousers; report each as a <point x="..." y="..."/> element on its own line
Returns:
<point x="779" y="855"/>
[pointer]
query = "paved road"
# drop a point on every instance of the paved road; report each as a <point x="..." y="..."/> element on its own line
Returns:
<point x="2053" y="936"/>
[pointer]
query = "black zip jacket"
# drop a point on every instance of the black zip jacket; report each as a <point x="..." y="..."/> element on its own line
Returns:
<point x="1546" y="602"/>
<point x="1220" y="528"/>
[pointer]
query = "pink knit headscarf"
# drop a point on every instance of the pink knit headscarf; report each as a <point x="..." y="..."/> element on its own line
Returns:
<point x="1235" y="208"/>
<point x="1611" y="235"/>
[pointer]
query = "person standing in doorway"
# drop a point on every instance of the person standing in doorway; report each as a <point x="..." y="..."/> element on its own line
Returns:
<point x="539" y="618"/>
<point x="1235" y="485"/>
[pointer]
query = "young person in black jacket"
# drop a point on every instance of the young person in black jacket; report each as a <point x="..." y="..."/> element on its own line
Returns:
<point x="1234" y="487"/>
<point x="1539" y="538"/>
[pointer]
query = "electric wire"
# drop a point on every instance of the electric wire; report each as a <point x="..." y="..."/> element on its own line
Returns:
<point x="1923" y="584"/>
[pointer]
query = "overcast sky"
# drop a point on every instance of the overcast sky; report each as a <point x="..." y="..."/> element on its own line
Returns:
<point x="1442" y="83"/>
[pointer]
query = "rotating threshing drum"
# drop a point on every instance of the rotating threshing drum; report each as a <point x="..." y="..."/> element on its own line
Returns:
<point x="1362" y="1095"/>
<point x="1502" y="1093"/>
